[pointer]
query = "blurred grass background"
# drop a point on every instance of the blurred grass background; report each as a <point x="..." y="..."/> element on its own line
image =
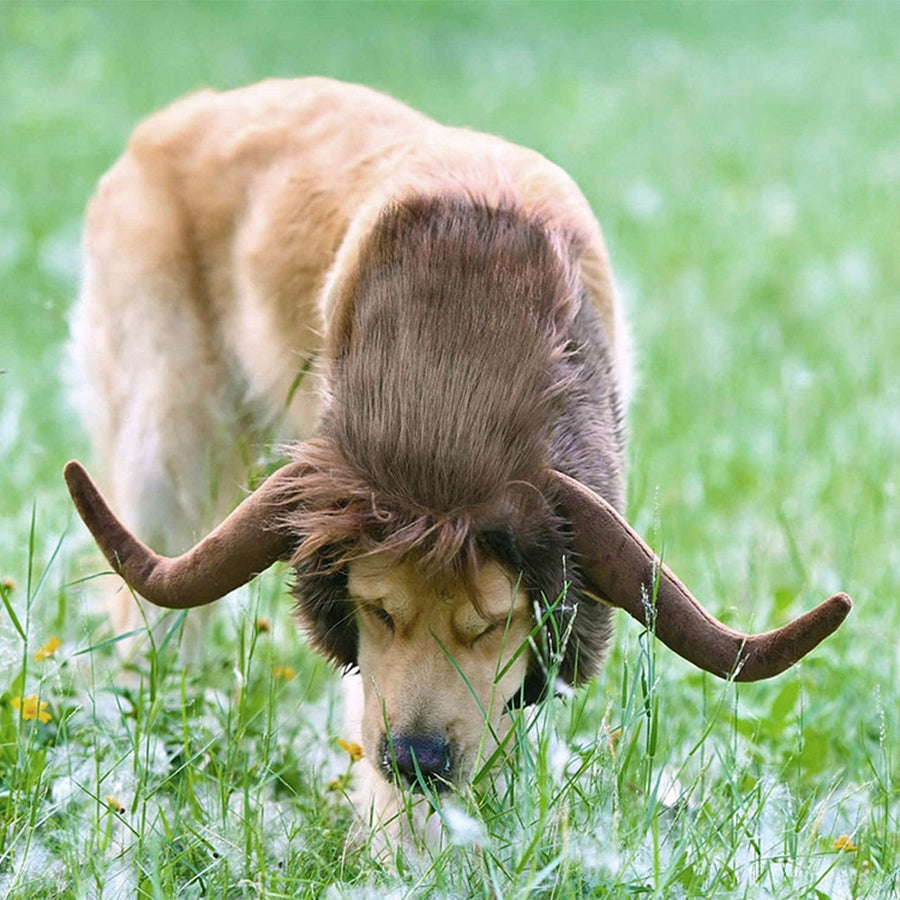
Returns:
<point x="744" y="162"/>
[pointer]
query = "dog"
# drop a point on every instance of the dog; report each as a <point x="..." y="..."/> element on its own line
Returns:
<point x="428" y="314"/>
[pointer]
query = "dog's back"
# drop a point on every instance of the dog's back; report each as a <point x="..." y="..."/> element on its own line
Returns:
<point x="220" y="252"/>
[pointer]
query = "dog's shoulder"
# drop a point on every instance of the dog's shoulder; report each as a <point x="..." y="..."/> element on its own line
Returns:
<point x="271" y="119"/>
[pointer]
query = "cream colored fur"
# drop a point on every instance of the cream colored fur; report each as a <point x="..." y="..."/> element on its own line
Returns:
<point x="416" y="684"/>
<point x="217" y="251"/>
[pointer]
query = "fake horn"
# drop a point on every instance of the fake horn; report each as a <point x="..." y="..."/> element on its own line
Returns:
<point x="626" y="573"/>
<point x="243" y="545"/>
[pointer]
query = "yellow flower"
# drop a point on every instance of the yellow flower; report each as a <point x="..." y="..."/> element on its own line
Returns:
<point x="614" y="737"/>
<point x="263" y="626"/>
<point x="48" y="649"/>
<point x="845" y="842"/>
<point x="7" y="585"/>
<point x="32" y="708"/>
<point x="284" y="672"/>
<point x="351" y="747"/>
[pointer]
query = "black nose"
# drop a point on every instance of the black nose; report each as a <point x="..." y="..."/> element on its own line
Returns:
<point x="408" y="756"/>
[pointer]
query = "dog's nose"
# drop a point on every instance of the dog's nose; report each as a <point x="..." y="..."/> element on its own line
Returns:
<point x="429" y="754"/>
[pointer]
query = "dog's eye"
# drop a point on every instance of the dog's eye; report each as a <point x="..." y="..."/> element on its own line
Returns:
<point x="382" y="615"/>
<point x="491" y="629"/>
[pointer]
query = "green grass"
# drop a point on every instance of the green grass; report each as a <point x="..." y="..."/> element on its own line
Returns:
<point x="744" y="161"/>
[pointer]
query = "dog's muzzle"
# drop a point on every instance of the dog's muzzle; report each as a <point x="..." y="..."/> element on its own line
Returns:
<point x="418" y="761"/>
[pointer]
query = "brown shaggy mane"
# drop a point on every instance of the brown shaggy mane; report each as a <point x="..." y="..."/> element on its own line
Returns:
<point x="440" y="414"/>
<point x="447" y="388"/>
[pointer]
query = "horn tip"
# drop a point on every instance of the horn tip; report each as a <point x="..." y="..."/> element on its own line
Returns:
<point x="840" y="605"/>
<point x="74" y="472"/>
<point x="81" y="489"/>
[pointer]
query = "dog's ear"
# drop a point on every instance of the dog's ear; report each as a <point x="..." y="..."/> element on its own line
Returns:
<point x="324" y="610"/>
<point x="623" y="571"/>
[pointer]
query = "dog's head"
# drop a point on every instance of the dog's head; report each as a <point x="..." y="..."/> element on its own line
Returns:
<point x="440" y="663"/>
<point x="452" y="622"/>
<point x="451" y="358"/>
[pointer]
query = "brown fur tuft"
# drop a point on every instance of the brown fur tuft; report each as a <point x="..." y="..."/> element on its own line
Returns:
<point x="443" y="386"/>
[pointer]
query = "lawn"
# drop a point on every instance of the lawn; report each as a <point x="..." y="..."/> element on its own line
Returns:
<point x="744" y="162"/>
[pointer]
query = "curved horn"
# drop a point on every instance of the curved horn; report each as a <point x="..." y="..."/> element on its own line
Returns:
<point x="624" y="570"/>
<point x="245" y="544"/>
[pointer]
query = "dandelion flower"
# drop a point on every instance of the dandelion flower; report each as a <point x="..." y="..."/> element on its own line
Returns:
<point x="845" y="842"/>
<point x="286" y="673"/>
<point x="48" y="649"/>
<point x="351" y="747"/>
<point x="32" y="708"/>
<point x="465" y="830"/>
